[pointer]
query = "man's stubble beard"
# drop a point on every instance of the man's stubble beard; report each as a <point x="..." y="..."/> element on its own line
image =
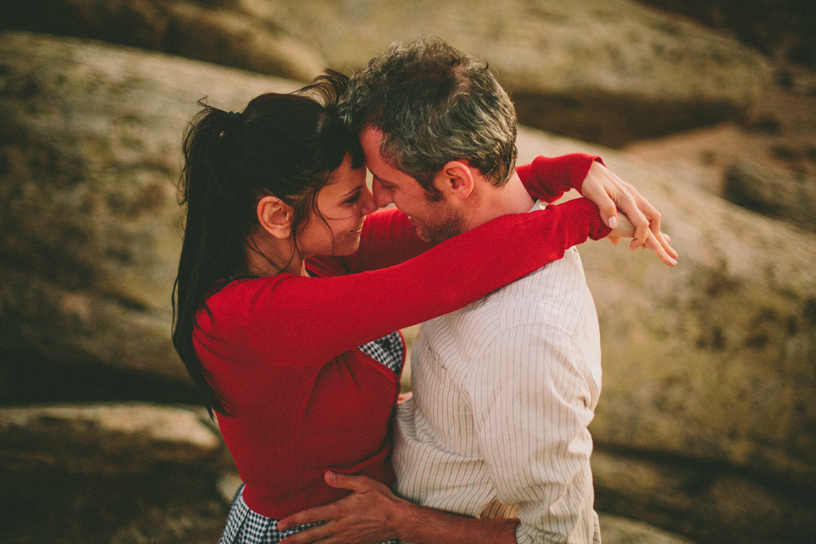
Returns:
<point x="447" y="224"/>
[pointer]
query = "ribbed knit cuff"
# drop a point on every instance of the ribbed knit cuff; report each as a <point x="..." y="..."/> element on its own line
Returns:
<point x="584" y="220"/>
<point x="569" y="170"/>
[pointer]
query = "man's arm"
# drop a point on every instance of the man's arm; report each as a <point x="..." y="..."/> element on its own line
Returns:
<point x="373" y="514"/>
<point x="533" y="396"/>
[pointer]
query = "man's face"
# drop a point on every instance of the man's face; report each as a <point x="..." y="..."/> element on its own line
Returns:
<point x="433" y="221"/>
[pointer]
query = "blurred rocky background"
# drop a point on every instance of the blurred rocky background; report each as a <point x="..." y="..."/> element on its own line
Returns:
<point x="706" y="430"/>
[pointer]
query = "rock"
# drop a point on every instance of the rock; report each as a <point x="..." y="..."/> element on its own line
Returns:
<point x="590" y="69"/>
<point x="710" y="362"/>
<point x="783" y="27"/>
<point x="709" y="503"/>
<point x="215" y="31"/>
<point x="620" y="530"/>
<point x="118" y="473"/>
<point x="776" y="194"/>
<point x="90" y="151"/>
<point x="606" y="72"/>
<point x="103" y="439"/>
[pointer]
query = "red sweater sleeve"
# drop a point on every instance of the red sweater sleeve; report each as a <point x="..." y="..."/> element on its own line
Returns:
<point x="388" y="238"/>
<point x="547" y="178"/>
<point x="312" y="320"/>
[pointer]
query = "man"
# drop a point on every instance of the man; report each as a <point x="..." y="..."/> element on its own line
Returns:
<point x="504" y="388"/>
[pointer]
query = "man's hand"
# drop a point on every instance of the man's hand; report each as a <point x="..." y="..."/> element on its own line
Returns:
<point x="364" y="517"/>
<point x="610" y="193"/>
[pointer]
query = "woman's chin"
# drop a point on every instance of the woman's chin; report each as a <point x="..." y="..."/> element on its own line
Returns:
<point x="350" y="245"/>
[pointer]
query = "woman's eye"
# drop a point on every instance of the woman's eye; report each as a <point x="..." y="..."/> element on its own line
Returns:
<point x="354" y="198"/>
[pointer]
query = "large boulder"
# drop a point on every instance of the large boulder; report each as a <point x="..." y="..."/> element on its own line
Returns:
<point x="772" y="192"/>
<point x="104" y="438"/>
<point x="118" y="473"/>
<point x="780" y="28"/>
<point x="90" y="152"/>
<point x="706" y="365"/>
<point x="601" y="71"/>
<point x="710" y="365"/>
<point x="221" y="31"/>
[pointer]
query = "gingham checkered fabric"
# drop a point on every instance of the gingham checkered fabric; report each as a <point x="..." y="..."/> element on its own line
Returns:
<point x="247" y="527"/>
<point x="388" y="350"/>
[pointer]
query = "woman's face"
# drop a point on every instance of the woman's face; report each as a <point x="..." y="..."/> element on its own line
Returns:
<point x="343" y="203"/>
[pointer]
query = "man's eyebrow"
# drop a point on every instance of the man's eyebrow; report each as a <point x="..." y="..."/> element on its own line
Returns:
<point x="381" y="180"/>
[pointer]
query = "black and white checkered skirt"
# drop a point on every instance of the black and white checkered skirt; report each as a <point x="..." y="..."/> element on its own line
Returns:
<point x="247" y="527"/>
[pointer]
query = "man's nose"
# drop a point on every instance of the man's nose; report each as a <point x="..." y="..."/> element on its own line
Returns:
<point x="381" y="197"/>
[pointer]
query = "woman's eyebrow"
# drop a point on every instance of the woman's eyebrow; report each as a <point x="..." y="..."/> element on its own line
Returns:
<point x="354" y="190"/>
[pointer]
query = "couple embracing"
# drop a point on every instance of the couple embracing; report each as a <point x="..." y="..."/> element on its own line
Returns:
<point x="293" y="285"/>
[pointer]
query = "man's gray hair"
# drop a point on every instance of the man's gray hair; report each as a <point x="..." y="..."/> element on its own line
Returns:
<point x="434" y="104"/>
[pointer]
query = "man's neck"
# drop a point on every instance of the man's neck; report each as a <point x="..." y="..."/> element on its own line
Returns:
<point x="495" y="202"/>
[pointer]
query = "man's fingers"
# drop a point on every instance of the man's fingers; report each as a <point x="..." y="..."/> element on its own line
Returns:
<point x="319" y="513"/>
<point x="308" y="536"/>
<point x="642" y="235"/>
<point x="655" y="245"/>
<point x="357" y="484"/>
<point x="614" y="239"/>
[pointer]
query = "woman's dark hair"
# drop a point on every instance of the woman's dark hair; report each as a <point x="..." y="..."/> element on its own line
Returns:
<point x="286" y="145"/>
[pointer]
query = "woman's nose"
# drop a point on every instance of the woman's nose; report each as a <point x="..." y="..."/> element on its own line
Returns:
<point x="369" y="202"/>
<point x="381" y="197"/>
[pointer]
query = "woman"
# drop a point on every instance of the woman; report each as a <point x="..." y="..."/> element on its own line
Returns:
<point x="290" y="287"/>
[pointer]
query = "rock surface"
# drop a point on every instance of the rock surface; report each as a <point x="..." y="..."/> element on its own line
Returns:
<point x="103" y="439"/>
<point x="706" y="502"/>
<point x="90" y="148"/>
<point x="606" y="72"/>
<point x="117" y="473"/>
<point x="706" y="365"/>
<point x="220" y="31"/>
<point x="600" y="71"/>
<point x="620" y="530"/>
<point x="777" y="194"/>
<point x="712" y="359"/>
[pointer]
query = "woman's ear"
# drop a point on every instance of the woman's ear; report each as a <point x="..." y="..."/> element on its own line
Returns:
<point x="275" y="217"/>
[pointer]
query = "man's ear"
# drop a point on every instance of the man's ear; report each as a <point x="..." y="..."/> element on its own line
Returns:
<point x="455" y="178"/>
<point x="275" y="217"/>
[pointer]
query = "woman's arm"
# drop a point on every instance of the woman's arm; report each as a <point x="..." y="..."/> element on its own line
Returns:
<point x="549" y="178"/>
<point x="347" y="311"/>
<point x="373" y="514"/>
<point x="388" y="237"/>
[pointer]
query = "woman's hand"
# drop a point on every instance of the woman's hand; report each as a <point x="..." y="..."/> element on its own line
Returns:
<point x="364" y="517"/>
<point x="610" y="193"/>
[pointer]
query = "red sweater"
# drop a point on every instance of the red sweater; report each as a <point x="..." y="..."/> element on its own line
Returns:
<point x="282" y="353"/>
